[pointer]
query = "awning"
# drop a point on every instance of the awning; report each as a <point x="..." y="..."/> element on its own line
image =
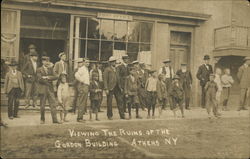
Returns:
<point x="231" y="52"/>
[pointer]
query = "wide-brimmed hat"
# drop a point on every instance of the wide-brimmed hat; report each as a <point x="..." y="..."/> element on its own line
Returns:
<point x="183" y="64"/>
<point x="112" y="58"/>
<point x="31" y="46"/>
<point x="125" y="57"/>
<point x="33" y="53"/>
<point x="206" y="57"/>
<point x="135" y="62"/>
<point x="13" y="63"/>
<point x="247" y="58"/>
<point x="176" y="77"/>
<point x="61" y="54"/>
<point x="167" y="61"/>
<point x="151" y="71"/>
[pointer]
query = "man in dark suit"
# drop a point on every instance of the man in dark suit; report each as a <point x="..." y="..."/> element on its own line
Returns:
<point x="123" y="72"/>
<point x="186" y="82"/>
<point x="203" y="74"/>
<point x="29" y="73"/>
<point x="111" y="88"/>
<point x="244" y="79"/>
<point x="45" y="76"/>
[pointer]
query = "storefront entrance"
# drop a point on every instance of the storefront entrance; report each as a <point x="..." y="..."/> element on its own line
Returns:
<point x="47" y="31"/>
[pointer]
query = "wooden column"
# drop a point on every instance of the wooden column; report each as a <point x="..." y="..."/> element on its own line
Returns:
<point x="76" y="51"/>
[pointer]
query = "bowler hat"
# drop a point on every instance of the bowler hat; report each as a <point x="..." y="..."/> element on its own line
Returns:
<point x="31" y="46"/>
<point x="112" y="58"/>
<point x="176" y="77"/>
<point x="206" y="57"/>
<point x="61" y="54"/>
<point x="167" y="61"/>
<point x="13" y="63"/>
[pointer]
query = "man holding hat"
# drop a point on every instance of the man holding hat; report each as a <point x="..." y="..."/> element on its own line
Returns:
<point x="244" y="78"/>
<point x="168" y="73"/>
<point x="83" y="80"/>
<point x="61" y="66"/>
<point x="46" y="76"/>
<point x="203" y="75"/>
<point x="13" y="87"/>
<point x="29" y="73"/>
<point x="123" y="72"/>
<point x="111" y="88"/>
<point x="186" y="82"/>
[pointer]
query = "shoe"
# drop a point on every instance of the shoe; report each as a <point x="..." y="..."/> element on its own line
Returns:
<point x="80" y="120"/>
<point x="138" y="117"/>
<point x="100" y="111"/>
<point x="244" y="108"/>
<point x="11" y="118"/>
<point x="218" y="114"/>
<point x="42" y="122"/>
<point x="97" y="119"/>
<point x="65" y="120"/>
<point x="27" y="106"/>
<point x="17" y="116"/>
<point x="188" y="108"/>
<point x="239" y="109"/>
<point x="57" y="122"/>
<point x="183" y="116"/>
<point x="110" y="118"/>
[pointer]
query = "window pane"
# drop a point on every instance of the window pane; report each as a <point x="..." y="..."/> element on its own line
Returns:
<point x="93" y="49"/>
<point x="120" y="31"/>
<point x="82" y="44"/>
<point x="120" y="46"/>
<point x="107" y="29"/>
<point x="146" y="32"/>
<point x="145" y="47"/>
<point x="133" y="47"/>
<point x="93" y="28"/>
<point x="133" y="31"/>
<point x="106" y="50"/>
<point x="82" y="28"/>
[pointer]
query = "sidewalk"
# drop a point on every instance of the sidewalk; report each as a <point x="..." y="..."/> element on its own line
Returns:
<point x="32" y="117"/>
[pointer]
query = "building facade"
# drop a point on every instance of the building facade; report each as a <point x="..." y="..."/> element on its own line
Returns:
<point x="149" y="31"/>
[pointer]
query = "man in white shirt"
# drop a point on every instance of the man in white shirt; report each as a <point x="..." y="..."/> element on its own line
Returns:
<point x="83" y="80"/>
<point x="29" y="74"/>
<point x="168" y="73"/>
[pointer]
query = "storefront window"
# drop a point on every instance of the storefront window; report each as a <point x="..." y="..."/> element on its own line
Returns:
<point x="106" y="37"/>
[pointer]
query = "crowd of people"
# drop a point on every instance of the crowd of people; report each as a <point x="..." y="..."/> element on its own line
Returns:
<point x="132" y="84"/>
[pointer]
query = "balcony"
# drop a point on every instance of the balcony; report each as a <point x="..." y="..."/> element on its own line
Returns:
<point x="232" y="40"/>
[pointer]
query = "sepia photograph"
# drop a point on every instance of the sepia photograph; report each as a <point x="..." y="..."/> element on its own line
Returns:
<point x="125" y="79"/>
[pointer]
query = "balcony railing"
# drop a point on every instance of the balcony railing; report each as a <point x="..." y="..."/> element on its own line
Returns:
<point x="232" y="36"/>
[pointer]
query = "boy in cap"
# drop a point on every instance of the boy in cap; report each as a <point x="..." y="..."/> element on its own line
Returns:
<point x="186" y="82"/>
<point x="151" y="88"/>
<point x="13" y="87"/>
<point x="61" y="66"/>
<point x="131" y="92"/>
<point x="45" y="76"/>
<point x="29" y="73"/>
<point x="168" y="73"/>
<point x="95" y="95"/>
<point x="203" y="75"/>
<point x="211" y="103"/>
<point x="177" y="95"/>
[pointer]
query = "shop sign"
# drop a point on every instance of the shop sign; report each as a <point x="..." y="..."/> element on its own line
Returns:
<point x="115" y="16"/>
